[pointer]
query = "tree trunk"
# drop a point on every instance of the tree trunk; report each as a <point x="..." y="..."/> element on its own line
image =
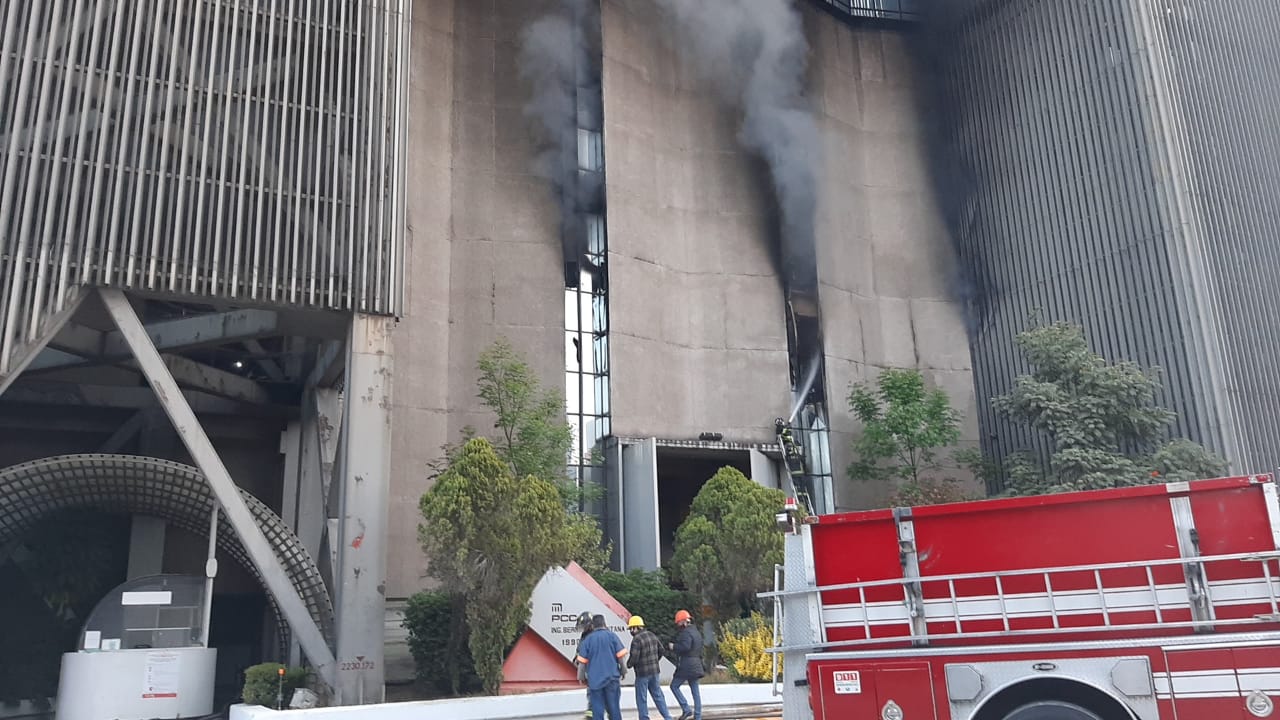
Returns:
<point x="457" y="640"/>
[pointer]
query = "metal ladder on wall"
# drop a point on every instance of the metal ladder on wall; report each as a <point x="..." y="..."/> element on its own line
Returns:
<point x="920" y="616"/>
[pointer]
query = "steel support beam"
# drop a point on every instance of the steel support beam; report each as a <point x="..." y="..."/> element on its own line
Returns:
<point x="320" y="422"/>
<point x="261" y="359"/>
<point x="182" y="334"/>
<point x="198" y="376"/>
<point x="130" y="398"/>
<point x="11" y="366"/>
<point x="329" y="365"/>
<point x="126" y="432"/>
<point x="365" y="476"/>
<point x="136" y="339"/>
<point x="77" y="339"/>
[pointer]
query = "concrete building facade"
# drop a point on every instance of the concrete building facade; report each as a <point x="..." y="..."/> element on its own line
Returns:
<point x="671" y="325"/>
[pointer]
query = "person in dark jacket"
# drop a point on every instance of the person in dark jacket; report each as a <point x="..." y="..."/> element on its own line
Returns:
<point x="584" y="627"/>
<point x="688" y="651"/>
<point x="646" y="653"/>
<point x="602" y="652"/>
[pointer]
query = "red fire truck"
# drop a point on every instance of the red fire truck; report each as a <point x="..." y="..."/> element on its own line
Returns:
<point x="1142" y="603"/>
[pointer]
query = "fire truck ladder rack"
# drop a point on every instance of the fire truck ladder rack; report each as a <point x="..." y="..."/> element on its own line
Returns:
<point x="920" y="617"/>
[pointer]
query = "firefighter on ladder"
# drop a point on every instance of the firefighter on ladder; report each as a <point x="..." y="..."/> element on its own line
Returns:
<point x="791" y="451"/>
<point x="793" y="458"/>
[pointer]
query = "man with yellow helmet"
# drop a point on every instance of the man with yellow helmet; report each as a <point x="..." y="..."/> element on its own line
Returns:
<point x="646" y="652"/>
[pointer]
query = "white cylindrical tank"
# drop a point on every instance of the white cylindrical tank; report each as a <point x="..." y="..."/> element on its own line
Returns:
<point x="137" y="684"/>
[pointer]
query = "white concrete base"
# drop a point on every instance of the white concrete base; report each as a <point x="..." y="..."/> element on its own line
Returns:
<point x="547" y="706"/>
<point x="136" y="684"/>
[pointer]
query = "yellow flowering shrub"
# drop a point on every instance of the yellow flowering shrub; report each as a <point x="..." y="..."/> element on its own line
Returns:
<point x="743" y="645"/>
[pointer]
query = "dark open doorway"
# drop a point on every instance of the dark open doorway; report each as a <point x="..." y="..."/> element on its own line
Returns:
<point x="682" y="471"/>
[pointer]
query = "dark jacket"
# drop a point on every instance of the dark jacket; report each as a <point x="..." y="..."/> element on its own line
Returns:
<point x="688" y="654"/>
<point x="582" y="669"/>
<point x="646" y="651"/>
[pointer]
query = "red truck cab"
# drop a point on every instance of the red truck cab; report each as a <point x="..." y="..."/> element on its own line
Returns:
<point x="1146" y="603"/>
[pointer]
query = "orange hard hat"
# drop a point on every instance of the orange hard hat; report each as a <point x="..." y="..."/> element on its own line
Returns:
<point x="683" y="616"/>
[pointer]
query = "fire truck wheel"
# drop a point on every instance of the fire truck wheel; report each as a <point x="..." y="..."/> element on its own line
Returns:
<point x="1052" y="710"/>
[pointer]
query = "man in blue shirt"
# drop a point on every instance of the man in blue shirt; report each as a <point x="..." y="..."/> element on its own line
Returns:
<point x="602" y="653"/>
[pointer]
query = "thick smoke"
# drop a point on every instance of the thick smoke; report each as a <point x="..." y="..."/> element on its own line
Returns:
<point x="754" y="53"/>
<point x="944" y="117"/>
<point x="552" y="56"/>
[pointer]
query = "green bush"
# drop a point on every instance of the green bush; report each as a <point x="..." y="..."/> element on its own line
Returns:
<point x="649" y="595"/>
<point x="428" y="617"/>
<point x="262" y="683"/>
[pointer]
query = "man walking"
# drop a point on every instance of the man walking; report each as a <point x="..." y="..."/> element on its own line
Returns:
<point x="646" y="652"/>
<point x="602" y="653"/>
<point x="688" y="650"/>
<point x="584" y="628"/>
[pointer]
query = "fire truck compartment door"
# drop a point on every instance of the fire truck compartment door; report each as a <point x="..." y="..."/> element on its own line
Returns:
<point x="889" y="691"/>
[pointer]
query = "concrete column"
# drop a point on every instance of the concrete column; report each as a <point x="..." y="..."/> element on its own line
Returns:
<point x="639" y="505"/>
<point x="365" y="474"/>
<point x="146" y="534"/>
<point x="764" y="470"/>
<point x="146" y="547"/>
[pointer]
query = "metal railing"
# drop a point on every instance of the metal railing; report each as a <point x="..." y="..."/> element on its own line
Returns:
<point x="902" y="10"/>
<point x="1110" y="603"/>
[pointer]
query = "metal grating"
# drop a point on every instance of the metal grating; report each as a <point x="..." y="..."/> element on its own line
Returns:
<point x="238" y="149"/>
<point x="160" y="488"/>
<point x="1120" y="159"/>
<point x="1221" y="77"/>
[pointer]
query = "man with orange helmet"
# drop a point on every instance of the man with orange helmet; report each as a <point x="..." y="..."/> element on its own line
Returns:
<point x="689" y="669"/>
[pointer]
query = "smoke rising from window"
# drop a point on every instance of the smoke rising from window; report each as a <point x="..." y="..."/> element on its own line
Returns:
<point x="553" y="59"/>
<point x="754" y="53"/>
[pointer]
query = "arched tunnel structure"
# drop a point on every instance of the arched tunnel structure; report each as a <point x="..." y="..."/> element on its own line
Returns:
<point x="174" y="492"/>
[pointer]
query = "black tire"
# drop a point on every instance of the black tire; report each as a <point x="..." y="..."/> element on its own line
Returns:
<point x="1052" y="710"/>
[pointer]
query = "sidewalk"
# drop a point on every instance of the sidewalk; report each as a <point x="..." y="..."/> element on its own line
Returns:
<point x="719" y="702"/>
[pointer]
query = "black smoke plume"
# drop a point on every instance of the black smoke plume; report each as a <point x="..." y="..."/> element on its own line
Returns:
<point x="555" y="59"/>
<point x="754" y="53"/>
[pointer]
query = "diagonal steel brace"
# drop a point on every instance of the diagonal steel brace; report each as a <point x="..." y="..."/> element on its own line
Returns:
<point x="224" y="488"/>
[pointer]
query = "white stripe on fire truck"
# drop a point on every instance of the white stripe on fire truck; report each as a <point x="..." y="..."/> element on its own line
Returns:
<point x="1216" y="683"/>
<point x="1171" y="597"/>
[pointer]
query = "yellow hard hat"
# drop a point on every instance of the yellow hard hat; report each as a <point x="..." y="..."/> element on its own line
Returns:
<point x="635" y="621"/>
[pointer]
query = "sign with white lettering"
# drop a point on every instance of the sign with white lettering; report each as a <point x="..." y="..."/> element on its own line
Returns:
<point x="564" y="593"/>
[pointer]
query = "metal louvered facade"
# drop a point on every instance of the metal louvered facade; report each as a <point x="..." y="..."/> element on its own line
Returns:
<point x="244" y="150"/>
<point x="1117" y="163"/>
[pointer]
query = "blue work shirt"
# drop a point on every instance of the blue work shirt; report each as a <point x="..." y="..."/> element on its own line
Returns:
<point x="601" y="649"/>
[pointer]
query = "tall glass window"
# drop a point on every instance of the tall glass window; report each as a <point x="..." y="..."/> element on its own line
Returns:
<point x="586" y="312"/>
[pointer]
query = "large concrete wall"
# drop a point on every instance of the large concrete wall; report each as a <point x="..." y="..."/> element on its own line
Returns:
<point x="696" y="311"/>
<point x="885" y="259"/>
<point x="698" y="340"/>
<point x="483" y="255"/>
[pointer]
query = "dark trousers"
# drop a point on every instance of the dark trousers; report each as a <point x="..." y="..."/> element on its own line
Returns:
<point x="697" y="696"/>
<point x="606" y="699"/>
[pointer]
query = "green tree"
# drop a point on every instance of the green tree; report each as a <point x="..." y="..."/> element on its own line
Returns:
<point x="534" y="440"/>
<point x="490" y="537"/>
<point x="726" y="548"/>
<point x="649" y="595"/>
<point x="904" y="424"/>
<point x="1101" y="420"/>
<point x="439" y="662"/>
<point x="532" y="435"/>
